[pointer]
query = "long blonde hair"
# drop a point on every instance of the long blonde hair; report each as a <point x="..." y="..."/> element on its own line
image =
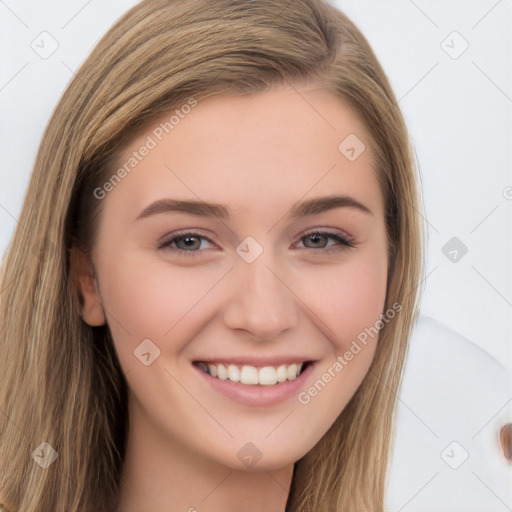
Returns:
<point x="60" y="380"/>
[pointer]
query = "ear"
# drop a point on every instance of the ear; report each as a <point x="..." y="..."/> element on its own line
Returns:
<point x="87" y="287"/>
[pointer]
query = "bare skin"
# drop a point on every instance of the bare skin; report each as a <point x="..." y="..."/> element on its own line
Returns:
<point x="306" y="297"/>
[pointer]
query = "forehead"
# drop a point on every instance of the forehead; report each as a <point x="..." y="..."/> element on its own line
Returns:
<point x="276" y="146"/>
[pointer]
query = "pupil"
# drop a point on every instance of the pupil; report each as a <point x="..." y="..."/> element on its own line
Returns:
<point x="190" y="241"/>
<point x="316" y="238"/>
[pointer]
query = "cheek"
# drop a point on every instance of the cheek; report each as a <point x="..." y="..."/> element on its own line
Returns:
<point x="148" y="300"/>
<point x="362" y="296"/>
<point x="350" y="306"/>
<point x="348" y="298"/>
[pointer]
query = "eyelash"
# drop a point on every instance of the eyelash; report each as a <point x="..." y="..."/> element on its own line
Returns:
<point x="343" y="243"/>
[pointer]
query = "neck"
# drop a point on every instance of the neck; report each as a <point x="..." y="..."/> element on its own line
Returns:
<point x="162" y="476"/>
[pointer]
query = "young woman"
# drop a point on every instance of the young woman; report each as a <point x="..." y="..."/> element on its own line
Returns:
<point x="207" y="302"/>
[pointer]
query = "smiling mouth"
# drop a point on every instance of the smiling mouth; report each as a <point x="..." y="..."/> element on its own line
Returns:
<point x="252" y="376"/>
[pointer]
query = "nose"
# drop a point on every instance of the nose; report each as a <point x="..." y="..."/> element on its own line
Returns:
<point x="261" y="302"/>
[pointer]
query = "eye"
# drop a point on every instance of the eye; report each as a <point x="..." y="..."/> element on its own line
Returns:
<point x="188" y="243"/>
<point x="320" y="240"/>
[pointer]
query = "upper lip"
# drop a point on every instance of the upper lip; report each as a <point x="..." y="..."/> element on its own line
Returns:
<point x="255" y="361"/>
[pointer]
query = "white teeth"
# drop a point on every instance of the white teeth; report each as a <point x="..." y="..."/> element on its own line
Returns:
<point x="222" y="373"/>
<point x="251" y="376"/>
<point x="281" y="373"/>
<point x="233" y="373"/>
<point x="291" y="372"/>
<point x="267" y="376"/>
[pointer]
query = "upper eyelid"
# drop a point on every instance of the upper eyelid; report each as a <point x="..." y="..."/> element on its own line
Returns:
<point x="183" y="233"/>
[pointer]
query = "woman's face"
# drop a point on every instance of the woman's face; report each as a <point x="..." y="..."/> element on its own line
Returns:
<point x="247" y="241"/>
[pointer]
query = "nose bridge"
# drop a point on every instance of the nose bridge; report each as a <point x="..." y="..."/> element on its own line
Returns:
<point x="260" y="302"/>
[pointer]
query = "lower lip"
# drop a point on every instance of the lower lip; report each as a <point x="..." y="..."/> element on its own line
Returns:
<point x="258" y="395"/>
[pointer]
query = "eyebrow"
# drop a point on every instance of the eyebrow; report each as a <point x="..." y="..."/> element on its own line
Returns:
<point x="200" y="208"/>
